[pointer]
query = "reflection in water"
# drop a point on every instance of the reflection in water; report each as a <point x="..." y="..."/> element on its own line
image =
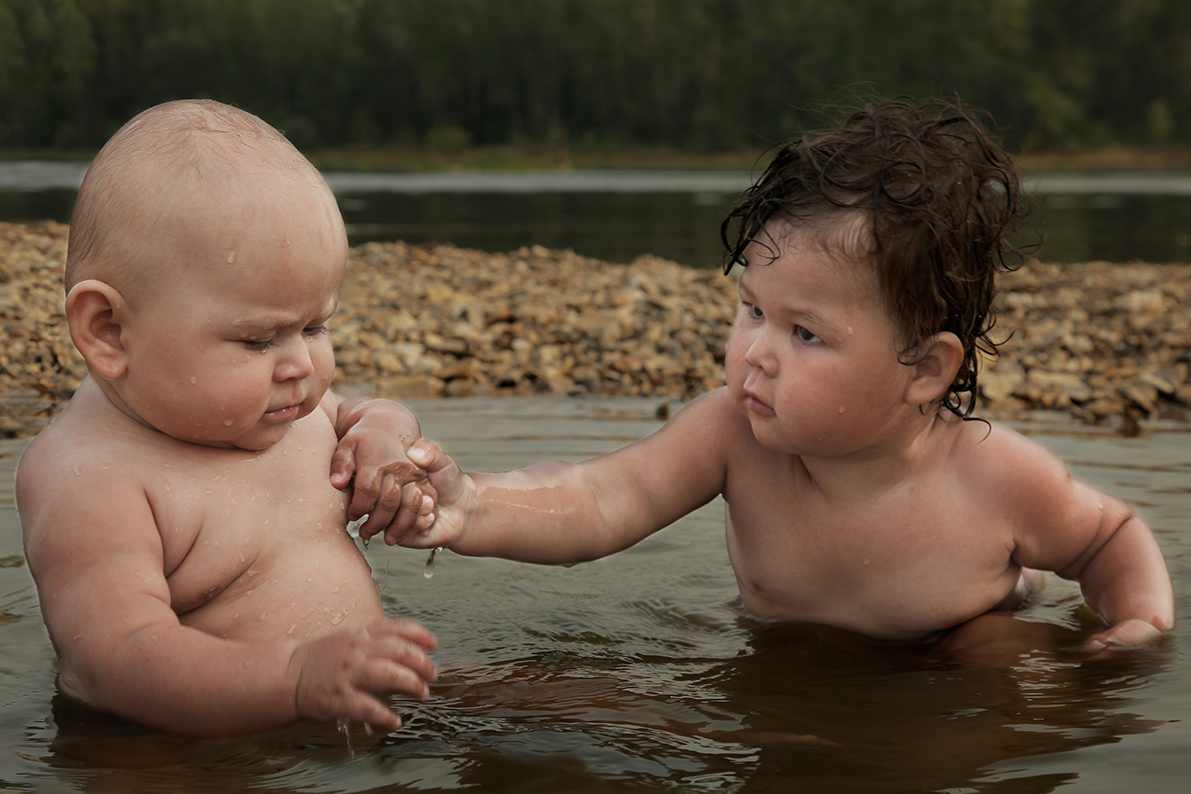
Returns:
<point x="620" y="215"/>
<point x="642" y="673"/>
<point x="828" y="710"/>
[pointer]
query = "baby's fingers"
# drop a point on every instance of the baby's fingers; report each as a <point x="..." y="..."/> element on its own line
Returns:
<point x="442" y="470"/>
<point x="343" y="466"/>
<point x="397" y="511"/>
<point x="1128" y="633"/>
<point x="410" y="676"/>
<point x="362" y="707"/>
<point x="409" y="630"/>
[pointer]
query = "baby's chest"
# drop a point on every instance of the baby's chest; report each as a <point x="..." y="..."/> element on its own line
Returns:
<point x="252" y="522"/>
<point x="892" y="563"/>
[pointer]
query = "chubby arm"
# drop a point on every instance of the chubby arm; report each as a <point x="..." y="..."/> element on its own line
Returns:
<point x="106" y="602"/>
<point x="374" y="437"/>
<point x="571" y="512"/>
<point x="1127" y="582"/>
<point x="1081" y="533"/>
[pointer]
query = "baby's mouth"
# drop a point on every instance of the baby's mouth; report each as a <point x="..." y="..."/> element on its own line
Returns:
<point x="757" y="406"/>
<point x="286" y="414"/>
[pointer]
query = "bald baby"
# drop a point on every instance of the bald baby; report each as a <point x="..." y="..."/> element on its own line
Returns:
<point x="211" y="588"/>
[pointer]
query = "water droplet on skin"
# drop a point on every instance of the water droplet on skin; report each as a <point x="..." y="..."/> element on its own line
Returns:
<point x="193" y="379"/>
<point x="428" y="571"/>
<point x="841" y="409"/>
<point x="851" y="330"/>
<point x="309" y="578"/>
<point x="78" y="471"/>
<point x="231" y="257"/>
<point x="227" y="422"/>
<point x="291" y="629"/>
<point x="168" y="487"/>
<point x="866" y="561"/>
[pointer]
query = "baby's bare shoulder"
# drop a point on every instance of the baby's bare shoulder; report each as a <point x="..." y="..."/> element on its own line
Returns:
<point x="82" y="465"/>
<point x="78" y="444"/>
<point x="1006" y="465"/>
<point x="998" y="448"/>
<point x="709" y="428"/>
<point x="712" y="416"/>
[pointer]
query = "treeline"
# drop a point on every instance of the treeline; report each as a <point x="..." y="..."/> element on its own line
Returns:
<point x="695" y="74"/>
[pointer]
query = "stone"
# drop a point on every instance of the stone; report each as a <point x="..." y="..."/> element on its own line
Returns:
<point x="1104" y="343"/>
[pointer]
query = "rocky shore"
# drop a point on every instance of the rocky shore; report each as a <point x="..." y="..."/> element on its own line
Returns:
<point x="1107" y="344"/>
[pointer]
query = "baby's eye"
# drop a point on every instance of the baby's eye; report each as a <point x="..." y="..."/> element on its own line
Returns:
<point x="804" y="335"/>
<point x="315" y="330"/>
<point x="752" y="311"/>
<point x="259" y="345"/>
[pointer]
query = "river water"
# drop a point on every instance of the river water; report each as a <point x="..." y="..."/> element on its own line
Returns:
<point x="641" y="673"/>
<point x="619" y="215"/>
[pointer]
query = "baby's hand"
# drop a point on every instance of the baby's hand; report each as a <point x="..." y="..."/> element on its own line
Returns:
<point x="1130" y="633"/>
<point x="454" y="493"/>
<point x="339" y="674"/>
<point x="371" y="456"/>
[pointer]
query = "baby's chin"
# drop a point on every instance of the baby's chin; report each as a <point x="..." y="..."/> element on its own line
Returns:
<point x="252" y="439"/>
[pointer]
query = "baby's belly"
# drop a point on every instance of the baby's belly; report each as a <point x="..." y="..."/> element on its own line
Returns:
<point x="886" y="608"/>
<point x="293" y="590"/>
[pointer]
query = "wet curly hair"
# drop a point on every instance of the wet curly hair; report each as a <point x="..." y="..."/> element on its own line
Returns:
<point x="939" y="197"/>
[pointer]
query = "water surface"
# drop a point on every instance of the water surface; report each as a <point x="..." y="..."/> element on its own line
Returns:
<point x="641" y="673"/>
<point x="618" y="215"/>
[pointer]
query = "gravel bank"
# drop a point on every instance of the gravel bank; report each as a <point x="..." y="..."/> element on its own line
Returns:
<point x="1104" y="343"/>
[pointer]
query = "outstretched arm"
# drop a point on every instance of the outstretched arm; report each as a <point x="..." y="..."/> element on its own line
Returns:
<point x="560" y="512"/>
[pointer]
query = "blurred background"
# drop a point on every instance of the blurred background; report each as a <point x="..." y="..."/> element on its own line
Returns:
<point x="563" y="86"/>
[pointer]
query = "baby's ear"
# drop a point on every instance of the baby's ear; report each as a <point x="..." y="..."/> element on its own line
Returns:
<point x="935" y="373"/>
<point x="95" y="312"/>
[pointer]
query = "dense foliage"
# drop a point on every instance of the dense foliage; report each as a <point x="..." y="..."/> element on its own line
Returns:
<point x="697" y="74"/>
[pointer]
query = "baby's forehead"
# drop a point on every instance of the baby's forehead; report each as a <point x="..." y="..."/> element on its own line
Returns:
<point x="843" y="237"/>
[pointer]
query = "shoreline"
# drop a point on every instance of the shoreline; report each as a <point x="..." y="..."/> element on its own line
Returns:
<point x="1106" y="344"/>
<point x="420" y="159"/>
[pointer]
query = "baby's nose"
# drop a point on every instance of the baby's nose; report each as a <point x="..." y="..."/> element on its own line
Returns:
<point x="295" y="362"/>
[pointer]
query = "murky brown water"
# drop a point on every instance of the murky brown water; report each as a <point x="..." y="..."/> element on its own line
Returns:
<point x="640" y="672"/>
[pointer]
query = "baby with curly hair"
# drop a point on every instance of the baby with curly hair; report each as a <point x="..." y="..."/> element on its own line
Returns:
<point x="860" y="492"/>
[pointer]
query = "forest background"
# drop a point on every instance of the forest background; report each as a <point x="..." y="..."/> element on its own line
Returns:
<point x="393" y="82"/>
